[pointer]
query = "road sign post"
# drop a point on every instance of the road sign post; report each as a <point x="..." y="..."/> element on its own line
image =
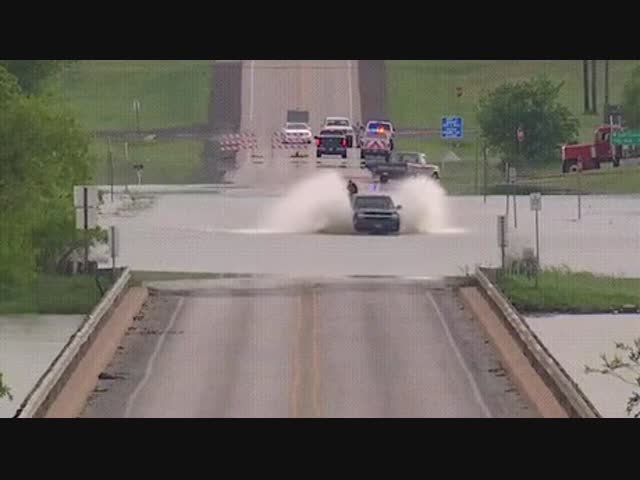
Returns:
<point x="512" y="181"/>
<point x="536" y="206"/>
<point x="484" y="160"/>
<point x="111" y="167"/>
<point x="452" y="128"/>
<point x="138" y="167"/>
<point x="85" y="201"/>
<point x="114" y="246"/>
<point x="579" y="180"/>
<point x="502" y="238"/>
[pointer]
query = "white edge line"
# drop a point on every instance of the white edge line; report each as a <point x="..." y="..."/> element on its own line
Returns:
<point x="131" y="400"/>
<point x="349" y="73"/>
<point x="474" y="385"/>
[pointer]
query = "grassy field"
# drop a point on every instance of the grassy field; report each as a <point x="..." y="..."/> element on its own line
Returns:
<point x="165" y="162"/>
<point x="419" y="92"/>
<point x="55" y="294"/>
<point x="171" y="92"/>
<point x="624" y="180"/>
<point x="560" y="290"/>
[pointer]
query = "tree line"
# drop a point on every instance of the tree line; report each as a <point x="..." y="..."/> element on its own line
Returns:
<point x="44" y="152"/>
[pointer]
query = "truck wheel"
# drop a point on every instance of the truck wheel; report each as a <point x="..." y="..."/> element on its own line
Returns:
<point x="384" y="178"/>
<point x="435" y="176"/>
<point x="616" y="163"/>
<point x="318" y="155"/>
<point x="568" y="165"/>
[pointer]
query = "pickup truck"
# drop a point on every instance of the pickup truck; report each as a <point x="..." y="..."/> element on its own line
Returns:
<point x="375" y="214"/>
<point x="348" y="133"/>
<point x="401" y="165"/>
<point x="331" y="142"/>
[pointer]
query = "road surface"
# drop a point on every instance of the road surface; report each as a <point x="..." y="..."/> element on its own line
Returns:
<point x="271" y="88"/>
<point x="271" y="347"/>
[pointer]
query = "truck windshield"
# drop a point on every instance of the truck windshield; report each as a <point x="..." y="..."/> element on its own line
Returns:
<point x="376" y="202"/>
<point x="337" y="122"/>
<point x="297" y="126"/>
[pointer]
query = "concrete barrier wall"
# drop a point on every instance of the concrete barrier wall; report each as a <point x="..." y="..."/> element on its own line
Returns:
<point x="54" y="378"/>
<point x="565" y="390"/>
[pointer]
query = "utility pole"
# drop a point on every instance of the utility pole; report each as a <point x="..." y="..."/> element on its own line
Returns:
<point x="585" y="80"/>
<point x="484" y="176"/>
<point x="477" y="169"/>
<point x="111" y="168"/>
<point x="594" y="97"/>
<point x="606" y="86"/>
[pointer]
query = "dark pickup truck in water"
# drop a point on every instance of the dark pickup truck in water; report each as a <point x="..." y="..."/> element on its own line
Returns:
<point x="401" y="165"/>
<point x="375" y="214"/>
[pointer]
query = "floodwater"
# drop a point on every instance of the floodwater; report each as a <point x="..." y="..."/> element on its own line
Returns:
<point x="28" y="345"/>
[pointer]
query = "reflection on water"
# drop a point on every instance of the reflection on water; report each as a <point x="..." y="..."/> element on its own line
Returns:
<point x="28" y="345"/>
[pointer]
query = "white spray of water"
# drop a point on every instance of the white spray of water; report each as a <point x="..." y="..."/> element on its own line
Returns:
<point x="424" y="206"/>
<point x="320" y="204"/>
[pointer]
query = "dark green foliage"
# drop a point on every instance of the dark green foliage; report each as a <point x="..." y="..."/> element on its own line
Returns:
<point x="534" y="106"/>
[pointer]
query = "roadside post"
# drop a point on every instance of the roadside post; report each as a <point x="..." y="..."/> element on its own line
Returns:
<point x="111" y="167"/>
<point x="126" y="162"/>
<point x="536" y="206"/>
<point x="512" y="181"/>
<point x="502" y="238"/>
<point x="579" y="179"/>
<point x="85" y="201"/>
<point x="477" y="172"/>
<point x="138" y="167"/>
<point x="484" y="159"/>
<point x="136" y="109"/>
<point x="114" y="247"/>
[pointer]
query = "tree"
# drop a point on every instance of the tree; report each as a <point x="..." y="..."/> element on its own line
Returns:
<point x="631" y="99"/>
<point x="5" y="391"/>
<point x="33" y="75"/>
<point x="533" y="106"/>
<point x="617" y="367"/>
<point x="43" y="154"/>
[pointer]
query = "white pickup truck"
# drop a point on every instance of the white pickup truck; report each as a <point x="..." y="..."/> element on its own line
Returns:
<point x="344" y="127"/>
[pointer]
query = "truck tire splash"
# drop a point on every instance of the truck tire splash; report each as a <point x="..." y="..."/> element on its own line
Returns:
<point x="320" y="204"/>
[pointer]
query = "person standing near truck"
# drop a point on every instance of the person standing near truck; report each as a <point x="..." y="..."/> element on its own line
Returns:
<point x="352" y="188"/>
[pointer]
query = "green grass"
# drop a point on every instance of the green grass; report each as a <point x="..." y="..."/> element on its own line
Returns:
<point x="165" y="162"/>
<point x="624" y="180"/>
<point x="419" y="92"/>
<point x="54" y="294"/>
<point x="560" y="290"/>
<point x="171" y="92"/>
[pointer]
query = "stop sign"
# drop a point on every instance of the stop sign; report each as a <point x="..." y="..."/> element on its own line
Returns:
<point x="520" y="134"/>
